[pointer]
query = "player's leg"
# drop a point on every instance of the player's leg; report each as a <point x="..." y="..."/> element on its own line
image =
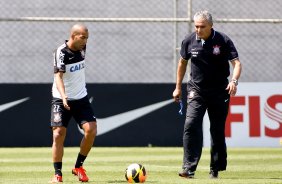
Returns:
<point x="59" y="121"/>
<point x="217" y="111"/>
<point x="90" y="130"/>
<point x="59" y="134"/>
<point x="193" y="134"/>
<point x="84" y="116"/>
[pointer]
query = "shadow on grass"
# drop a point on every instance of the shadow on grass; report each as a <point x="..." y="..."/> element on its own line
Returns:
<point x="116" y="181"/>
<point x="124" y="181"/>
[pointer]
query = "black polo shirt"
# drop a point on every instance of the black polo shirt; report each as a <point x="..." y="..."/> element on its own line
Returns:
<point x="209" y="59"/>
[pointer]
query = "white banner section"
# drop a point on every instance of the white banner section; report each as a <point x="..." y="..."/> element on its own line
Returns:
<point x="255" y="116"/>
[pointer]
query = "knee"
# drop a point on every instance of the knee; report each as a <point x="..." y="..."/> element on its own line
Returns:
<point x="193" y="124"/>
<point x="90" y="129"/>
<point x="59" y="134"/>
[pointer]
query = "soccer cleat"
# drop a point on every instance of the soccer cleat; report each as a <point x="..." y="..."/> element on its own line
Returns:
<point x="186" y="173"/>
<point x="56" y="179"/>
<point x="80" y="172"/>
<point x="213" y="174"/>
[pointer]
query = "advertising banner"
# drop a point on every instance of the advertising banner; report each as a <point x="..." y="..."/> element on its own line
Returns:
<point x="139" y="115"/>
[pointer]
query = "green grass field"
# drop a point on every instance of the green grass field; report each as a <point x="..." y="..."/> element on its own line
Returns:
<point x="107" y="165"/>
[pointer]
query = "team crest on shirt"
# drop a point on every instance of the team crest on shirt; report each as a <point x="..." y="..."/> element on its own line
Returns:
<point x="216" y="50"/>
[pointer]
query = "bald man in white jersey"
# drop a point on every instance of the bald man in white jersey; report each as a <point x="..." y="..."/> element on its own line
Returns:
<point x="70" y="100"/>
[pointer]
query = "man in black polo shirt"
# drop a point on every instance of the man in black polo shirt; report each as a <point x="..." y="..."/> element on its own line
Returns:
<point x="208" y="90"/>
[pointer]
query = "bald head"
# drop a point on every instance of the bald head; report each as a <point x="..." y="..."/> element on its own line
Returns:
<point x="78" y="37"/>
<point x="78" y="28"/>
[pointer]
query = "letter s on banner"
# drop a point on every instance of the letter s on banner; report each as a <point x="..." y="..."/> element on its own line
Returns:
<point x="271" y="111"/>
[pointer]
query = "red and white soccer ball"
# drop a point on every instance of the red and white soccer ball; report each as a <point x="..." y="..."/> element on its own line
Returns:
<point x="135" y="173"/>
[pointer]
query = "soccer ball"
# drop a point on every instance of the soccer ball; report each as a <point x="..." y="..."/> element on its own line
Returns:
<point x="135" y="173"/>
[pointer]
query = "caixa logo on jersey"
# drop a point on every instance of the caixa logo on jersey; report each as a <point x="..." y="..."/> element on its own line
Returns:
<point x="77" y="67"/>
<point x="263" y="115"/>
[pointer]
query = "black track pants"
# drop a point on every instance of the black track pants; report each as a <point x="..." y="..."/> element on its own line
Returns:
<point x="216" y="103"/>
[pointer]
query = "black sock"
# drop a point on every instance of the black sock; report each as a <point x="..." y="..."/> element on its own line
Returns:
<point x="80" y="160"/>
<point x="58" y="168"/>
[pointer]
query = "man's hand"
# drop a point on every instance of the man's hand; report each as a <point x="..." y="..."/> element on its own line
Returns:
<point x="177" y="93"/>
<point x="232" y="88"/>
<point x="65" y="103"/>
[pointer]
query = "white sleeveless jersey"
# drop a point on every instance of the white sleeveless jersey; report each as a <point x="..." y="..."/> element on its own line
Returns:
<point x="72" y="63"/>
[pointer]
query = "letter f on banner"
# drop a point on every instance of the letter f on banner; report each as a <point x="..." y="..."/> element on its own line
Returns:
<point x="238" y="100"/>
<point x="254" y="115"/>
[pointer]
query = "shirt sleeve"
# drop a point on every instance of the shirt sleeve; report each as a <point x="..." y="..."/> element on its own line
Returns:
<point x="59" y="61"/>
<point x="185" y="51"/>
<point x="233" y="54"/>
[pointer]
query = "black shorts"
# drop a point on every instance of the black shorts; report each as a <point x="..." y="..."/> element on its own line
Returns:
<point x="80" y="110"/>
